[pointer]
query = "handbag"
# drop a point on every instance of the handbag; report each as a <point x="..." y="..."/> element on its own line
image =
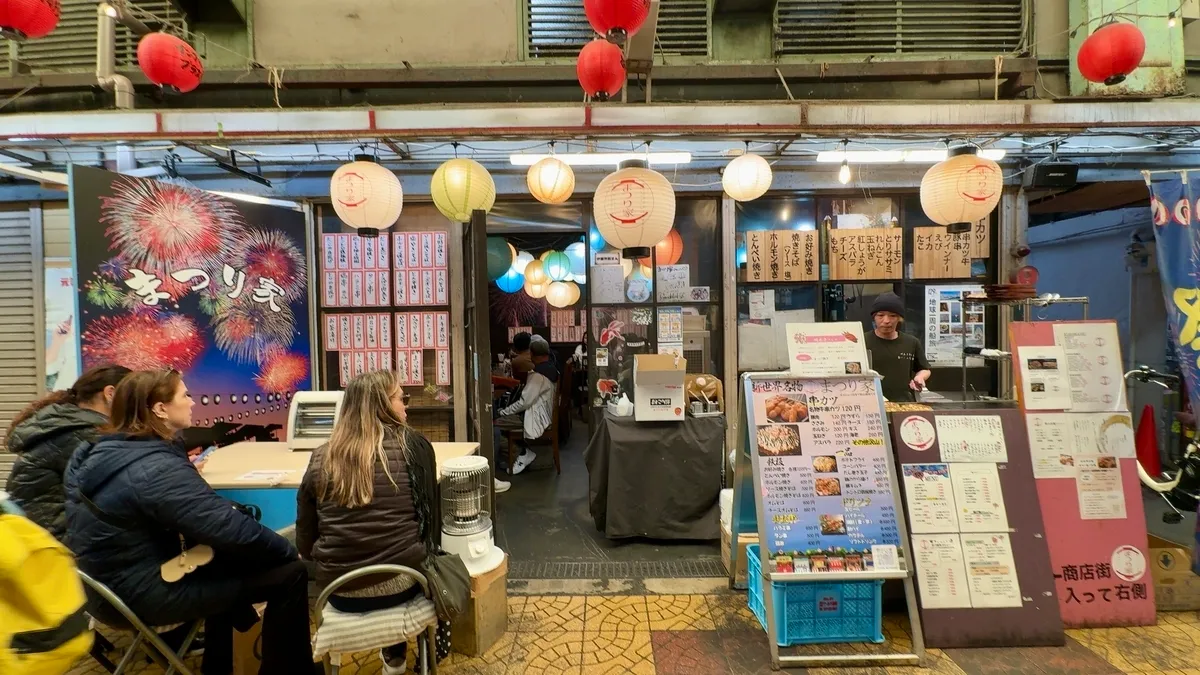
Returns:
<point x="449" y="583"/>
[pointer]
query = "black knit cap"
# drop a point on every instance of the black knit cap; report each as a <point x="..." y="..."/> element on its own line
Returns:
<point x="888" y="302"/>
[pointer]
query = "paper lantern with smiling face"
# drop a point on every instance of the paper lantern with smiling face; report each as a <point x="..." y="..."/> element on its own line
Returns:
<point x="962" y="190"/>
<point x="634" y="208"/>
<point x="366" y="195"/>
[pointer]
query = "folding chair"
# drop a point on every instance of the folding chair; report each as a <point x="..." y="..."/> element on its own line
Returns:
<point x="145" y="637"/>
<point x="360" y="632"/>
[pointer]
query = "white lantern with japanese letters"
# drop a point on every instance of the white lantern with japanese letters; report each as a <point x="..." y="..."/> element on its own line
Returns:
<point x="461" y="187"/>
<point x="961" y="190"/>
<point x="747" y="178"/>
<point x="634" y="208"/>
<point x="366" y="195"/>
<point x="551" y="180"/>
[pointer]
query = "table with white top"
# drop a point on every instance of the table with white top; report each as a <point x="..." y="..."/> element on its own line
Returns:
<point x="268" y="475"/>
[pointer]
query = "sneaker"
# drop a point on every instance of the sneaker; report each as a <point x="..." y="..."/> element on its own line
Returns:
<point x="390" y="667"/>
<point x="502" y="485"/>
<point x="523" y="461"/>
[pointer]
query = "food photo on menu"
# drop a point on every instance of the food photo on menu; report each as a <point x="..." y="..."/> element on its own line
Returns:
<point x="789" y="409"/>
<point x="778" y="441"/>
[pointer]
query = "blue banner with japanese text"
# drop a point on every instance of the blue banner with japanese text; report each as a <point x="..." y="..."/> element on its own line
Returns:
<point x="1173" y="206"/>
<point x="170" y="276"/>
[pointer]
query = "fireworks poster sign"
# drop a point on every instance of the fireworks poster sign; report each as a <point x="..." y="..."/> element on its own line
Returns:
<point x="175" y="277"/>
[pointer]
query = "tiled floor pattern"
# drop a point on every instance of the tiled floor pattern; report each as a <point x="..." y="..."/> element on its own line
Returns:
<point x="717" y="635"/>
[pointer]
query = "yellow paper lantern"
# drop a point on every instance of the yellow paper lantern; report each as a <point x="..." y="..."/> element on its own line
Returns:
<point x="551" y="181"/>
<point x="559" y="294"/>
<point x="461" y="186"/>
<point x="634" y="209"/>
<point x="536" y="272"/>
<point x="962" y="189"/>
<point x="536" y="290"/>
<point x="366" y="195"/>
<point x="747" y="177"/>
<point x="575" y="292"/>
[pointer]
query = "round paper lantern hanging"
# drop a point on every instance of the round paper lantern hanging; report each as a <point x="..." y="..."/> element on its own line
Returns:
<point x="499" y="257"/>
<point x="577" y="252"/>
<point x="536" y="290"/>
<point x="961" y="190"/>
<point x="366" y="195"/>
<point x="668" y="251"/>
<point x="601" y="70"/>
<point x="551" y="181"/>
<point x="511" y="281"/>
<point x="460" y="187"/>
<point x="559" y="294"/>
<point x="616" y="19"/>
<point x="634" y="208"/>
<point x="575" y="293"/>
<point x="535" y="272"/>
<point x="557" y="265"/>
<point x="29" y="18"/>
<point x="1111" y="53"/>
<point x="747" y="177"/>
<point x="170" y="62"/>
<point x="523" y="258"/>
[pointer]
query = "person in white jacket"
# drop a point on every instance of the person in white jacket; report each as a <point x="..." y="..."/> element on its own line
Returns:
<point x="532" y="412"/>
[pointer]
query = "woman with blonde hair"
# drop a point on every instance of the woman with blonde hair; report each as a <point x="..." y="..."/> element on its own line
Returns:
<point x="370" y="497"/>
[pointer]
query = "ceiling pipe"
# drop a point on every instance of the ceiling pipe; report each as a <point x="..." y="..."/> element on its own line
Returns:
<point x="107" y="17"/>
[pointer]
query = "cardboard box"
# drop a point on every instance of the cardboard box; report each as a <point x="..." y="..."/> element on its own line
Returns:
<point x="658" y="390"/>
<point x="1176" y="588"/>
<point x="486" y="618"/>
<point x="739" y="577"/>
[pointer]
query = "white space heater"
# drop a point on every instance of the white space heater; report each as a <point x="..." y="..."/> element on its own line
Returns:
<point x="311" y="417"/>
<point x="466" y="525"/>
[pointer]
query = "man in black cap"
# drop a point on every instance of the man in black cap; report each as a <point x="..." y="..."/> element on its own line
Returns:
<point x="898" y="357"/>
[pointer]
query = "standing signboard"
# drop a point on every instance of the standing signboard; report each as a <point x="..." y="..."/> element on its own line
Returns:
<point x="982" y="566"/>
<point x="817" y="464"/>
<point x="1081" y="442"/>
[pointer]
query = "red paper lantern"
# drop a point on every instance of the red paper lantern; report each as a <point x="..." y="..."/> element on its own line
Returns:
<point x="669" y="250"/>
<point x="170" y="62"/>
<point x="616" y="19"/>
<point x="601" y="69"/>
<point x="1113" y="51"/>
<point x="29" y="18"/>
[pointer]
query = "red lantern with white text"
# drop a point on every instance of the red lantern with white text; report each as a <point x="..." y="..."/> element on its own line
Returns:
<point x="170" y="62"/>
<point x="1111" y="53"/>
<point x="616" y="19"/>
<point x="22" y="19"/>
<point x="601" y="69"/>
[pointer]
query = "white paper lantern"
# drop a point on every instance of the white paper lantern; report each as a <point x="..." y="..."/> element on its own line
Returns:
<point x="747" y="177"/>
<point x="523" y="258"/>
<point x="366" y="195"/>
<point x="551" y="181"/>
<point x="460" y="187"/>
<point x="575" y="293"/>
<point x="536" y="290"/>
<point x="577" y="252"/>
<point x="536" y="272"/>
<point x="559" y="294"/>
<point x="962" y="189"/>
<point x="634" y="209"/>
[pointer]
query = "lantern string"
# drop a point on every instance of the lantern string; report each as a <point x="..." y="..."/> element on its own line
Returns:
<point x="275" y="78"/>
<point x="999" y="67"/>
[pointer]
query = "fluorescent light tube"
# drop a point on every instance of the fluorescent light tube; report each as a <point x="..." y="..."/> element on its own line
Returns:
<point x="604" y="158"/>
<point x="932" y="156"/>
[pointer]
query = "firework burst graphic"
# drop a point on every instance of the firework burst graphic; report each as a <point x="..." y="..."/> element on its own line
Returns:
<point x="246" y="330"/>
<point x="104" y="293"/>
<point x="115" y="268"/>
<point x="271" y="254"/>
<point x="282" y="371"/>
<point x="155" y="223"/>
<point x="142" y="342"/>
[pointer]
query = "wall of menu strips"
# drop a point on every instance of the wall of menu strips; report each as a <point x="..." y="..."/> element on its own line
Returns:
<point x="407" y="275"/>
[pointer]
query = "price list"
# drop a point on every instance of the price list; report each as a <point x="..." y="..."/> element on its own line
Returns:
<point x="823" y="472"/>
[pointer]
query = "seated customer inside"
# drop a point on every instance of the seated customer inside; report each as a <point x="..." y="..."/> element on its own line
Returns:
<point x="135" y="504"/>
<point x="532" y="413"/>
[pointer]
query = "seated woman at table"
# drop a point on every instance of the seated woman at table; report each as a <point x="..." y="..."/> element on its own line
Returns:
<point x="135" y="502"/>
<point x="370" y="497"/>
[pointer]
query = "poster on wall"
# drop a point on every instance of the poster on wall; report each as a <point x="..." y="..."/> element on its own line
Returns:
<point x="946" y="319"/>
<point x="175" y="277"/>
<point x="62" y="359"/>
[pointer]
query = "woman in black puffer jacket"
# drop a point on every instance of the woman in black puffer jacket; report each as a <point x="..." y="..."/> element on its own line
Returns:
<point x="46" y="433"/>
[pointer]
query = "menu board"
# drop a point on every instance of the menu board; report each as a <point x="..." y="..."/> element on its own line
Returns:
<point x="947" y="317"/>
<point x="824" y="474"/>
<point x="354" y="269"/>
<point x="938" y="254"/>
<point x="782" y="255"/>
<point x="828" y="348"/>
<point x="873" y="253"/>
<point x="982" y="563"/>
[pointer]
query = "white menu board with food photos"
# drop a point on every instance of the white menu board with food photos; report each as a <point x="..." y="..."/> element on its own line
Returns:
<point x="825" y="480"/>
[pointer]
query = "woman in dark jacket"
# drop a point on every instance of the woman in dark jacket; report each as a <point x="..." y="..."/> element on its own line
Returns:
<point x="135" y="501"/>
<point x="46" y="433"/>
<point x="369" y="497"/>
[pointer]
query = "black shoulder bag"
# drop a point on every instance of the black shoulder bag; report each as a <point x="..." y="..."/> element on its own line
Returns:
<point x="447" y="575"/>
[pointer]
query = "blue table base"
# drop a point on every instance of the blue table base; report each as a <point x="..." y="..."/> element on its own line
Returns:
<point x="278" y="505"/>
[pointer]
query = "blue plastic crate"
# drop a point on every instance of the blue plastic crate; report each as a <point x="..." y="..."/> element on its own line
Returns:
<point x="812" y="612"/>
